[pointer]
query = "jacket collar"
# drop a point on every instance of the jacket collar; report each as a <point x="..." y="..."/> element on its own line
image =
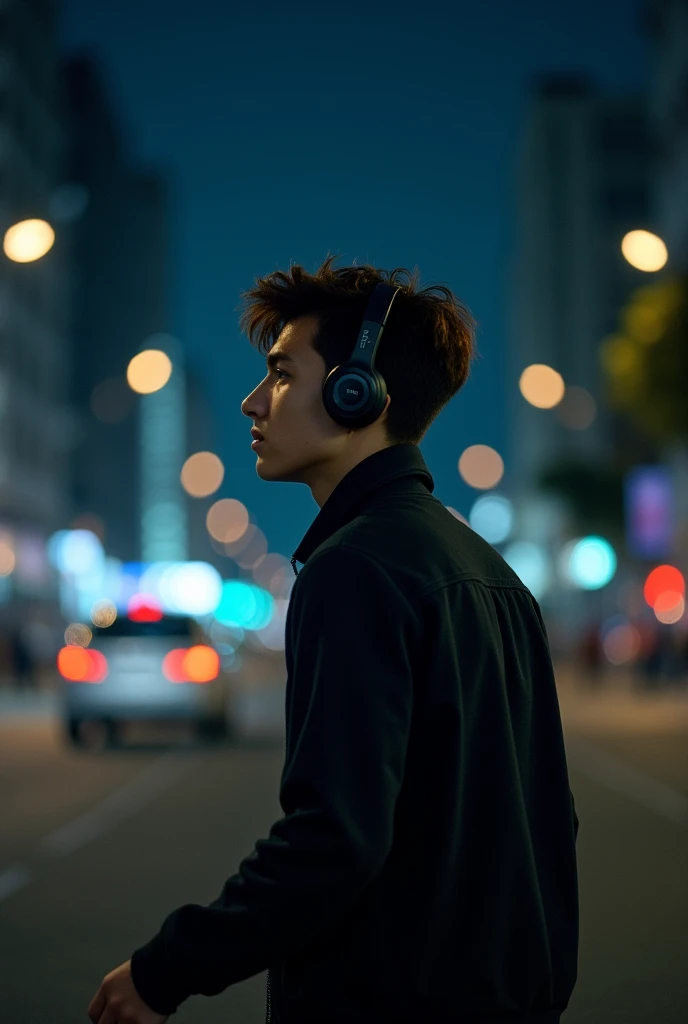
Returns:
<point x="399" y="460"/>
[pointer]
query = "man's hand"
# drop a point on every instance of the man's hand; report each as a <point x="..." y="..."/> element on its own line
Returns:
<point x="118" y="1002"/>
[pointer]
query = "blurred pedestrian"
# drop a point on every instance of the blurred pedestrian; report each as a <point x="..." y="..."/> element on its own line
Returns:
<point x="23" y="660"/>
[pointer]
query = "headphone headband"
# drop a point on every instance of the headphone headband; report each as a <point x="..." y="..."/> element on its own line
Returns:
<point x="355" y="393"/>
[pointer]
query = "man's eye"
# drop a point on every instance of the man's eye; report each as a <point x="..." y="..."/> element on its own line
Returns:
<point x="282" y="372"/>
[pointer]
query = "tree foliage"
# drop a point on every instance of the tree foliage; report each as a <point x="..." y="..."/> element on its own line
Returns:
<point x="646" y="362"/>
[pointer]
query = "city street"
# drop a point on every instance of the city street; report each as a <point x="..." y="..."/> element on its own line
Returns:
<point x="445" y="296"/>
<point x="96" y="849"/>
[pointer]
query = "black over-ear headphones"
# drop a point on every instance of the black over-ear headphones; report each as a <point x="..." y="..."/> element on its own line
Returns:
<point x="355" y="393"/>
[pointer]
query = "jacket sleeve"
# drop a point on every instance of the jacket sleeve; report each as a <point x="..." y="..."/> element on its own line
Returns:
<point x="349" y="708"/>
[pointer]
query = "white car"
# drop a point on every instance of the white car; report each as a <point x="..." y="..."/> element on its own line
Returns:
<point x="157" y="671"/>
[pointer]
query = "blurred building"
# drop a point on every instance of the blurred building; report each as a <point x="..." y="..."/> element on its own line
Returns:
<point x="582" y="181"/>
<point x="121" y="306"/>
<point x="36" y="425"/>
<point x="131" y="447"/>
<point x="667" y="26"/>
<point x="201" y="437"/>
<point x="667" y="21"/>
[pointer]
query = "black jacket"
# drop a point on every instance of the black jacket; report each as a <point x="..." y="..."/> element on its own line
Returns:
<point x="425" y="866"/>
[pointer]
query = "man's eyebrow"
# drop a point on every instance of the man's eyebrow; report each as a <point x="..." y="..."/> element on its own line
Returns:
<point x="277" y="357"/>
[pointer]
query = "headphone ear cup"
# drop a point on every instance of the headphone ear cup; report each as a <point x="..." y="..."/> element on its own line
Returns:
<point x="372" y="406"/>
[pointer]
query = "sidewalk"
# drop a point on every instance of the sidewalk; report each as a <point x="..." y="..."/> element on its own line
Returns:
<point x="615" y="704"/>
<point x="27" y="704"/>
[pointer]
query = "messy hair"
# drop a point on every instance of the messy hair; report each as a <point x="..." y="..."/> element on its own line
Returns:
<point x="425" y="352"/>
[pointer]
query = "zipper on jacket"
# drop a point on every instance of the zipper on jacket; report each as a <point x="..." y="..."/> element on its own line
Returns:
<point x="267" y="1018"/>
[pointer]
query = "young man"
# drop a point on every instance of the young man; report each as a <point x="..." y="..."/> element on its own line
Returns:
<point x="424" y="868"/>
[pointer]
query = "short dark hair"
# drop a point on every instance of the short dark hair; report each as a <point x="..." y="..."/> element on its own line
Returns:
<point x="425" y="352"/>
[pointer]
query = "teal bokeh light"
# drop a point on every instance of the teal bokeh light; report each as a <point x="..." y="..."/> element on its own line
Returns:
<point x="531" y="564"/>
<point x="492" y="517"/>
<point x="592" y="563"/>
<point x="244" y="605"/>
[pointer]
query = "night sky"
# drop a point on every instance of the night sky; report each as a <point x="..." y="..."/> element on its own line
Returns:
<point x="386" y="133"/>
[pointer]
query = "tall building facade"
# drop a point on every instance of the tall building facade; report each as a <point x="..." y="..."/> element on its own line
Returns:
<point x="667" y="24"/>
<point x="582" y="181"/>
<point x="667" y="21"/>
<point x="121" y="302"/>
<point x="37" y="427"/>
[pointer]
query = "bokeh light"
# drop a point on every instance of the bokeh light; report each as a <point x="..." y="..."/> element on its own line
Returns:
<point x="492" y="517"/>
<point x="78" y="552"/>
<point x="644" y="250"/>
<point x="541" y="386"/>
<point x="149" y="371"/>
<point x="621" y="640"/>
<point x="189" y="588"/>
<point x="28" y="240"/>
<point x="227" y="520"/>
<point x="144" y="608"/>
<point x="103" y="613"/>
<point x="8" y="558"/>
<point x="531" y="564"/>
<point x="663" y="579"/>
<point x="78" y="633"/>
<point x="619" y="356"/>
<point x="274" y="574"/>
<point x="642" y="319"/>
<point x="244" y="605"/>
<point x="590" y="562"/>
<point x="197" y="664"/>
<point x="80" y="664"/>
<point x="202" y="474"/>
<point x="669" y="607"/>
<point x="577" y="409"/>
<point x="481" y="466"/>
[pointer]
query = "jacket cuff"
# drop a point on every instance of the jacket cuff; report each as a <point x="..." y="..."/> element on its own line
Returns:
<point x="156" y="979"/>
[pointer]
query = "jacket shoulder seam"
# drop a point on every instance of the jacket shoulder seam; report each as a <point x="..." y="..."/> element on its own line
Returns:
<point x="491" y="582"/>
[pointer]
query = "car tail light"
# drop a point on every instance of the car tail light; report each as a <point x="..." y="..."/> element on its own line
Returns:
<point x="81" y="664"/>
<point x="197" y="664"/>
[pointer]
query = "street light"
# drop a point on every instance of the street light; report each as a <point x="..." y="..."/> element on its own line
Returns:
<point x="28" y="240"/>
<point x="644" y="251"/>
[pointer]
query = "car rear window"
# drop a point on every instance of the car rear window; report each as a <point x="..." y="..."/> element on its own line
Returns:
<point x="169" y="625"/>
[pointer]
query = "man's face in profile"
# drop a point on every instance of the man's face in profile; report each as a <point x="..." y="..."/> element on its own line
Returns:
<point x="302" y="442"/>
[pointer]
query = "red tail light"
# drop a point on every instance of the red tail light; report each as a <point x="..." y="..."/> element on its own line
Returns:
<point x="81" y="664"/>
<point x="197" y="664"/>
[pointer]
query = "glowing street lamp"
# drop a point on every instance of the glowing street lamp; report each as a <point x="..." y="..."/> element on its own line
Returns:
<point x="28" y="240"/>
<point x="644" y="251"/>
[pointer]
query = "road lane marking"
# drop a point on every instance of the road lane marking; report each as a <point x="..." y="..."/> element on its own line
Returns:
<point x="135" y="794"/>
<point x="622" y="778"/>
<point x="13" y="878"/>
<point x="157" y="777"/>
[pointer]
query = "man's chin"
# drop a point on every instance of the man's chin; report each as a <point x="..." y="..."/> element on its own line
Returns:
<point x="263" y="468"/>
<point x="267" y="470"/>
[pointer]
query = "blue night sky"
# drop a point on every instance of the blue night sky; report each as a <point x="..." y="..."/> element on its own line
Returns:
<point x="292" y="130"/>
